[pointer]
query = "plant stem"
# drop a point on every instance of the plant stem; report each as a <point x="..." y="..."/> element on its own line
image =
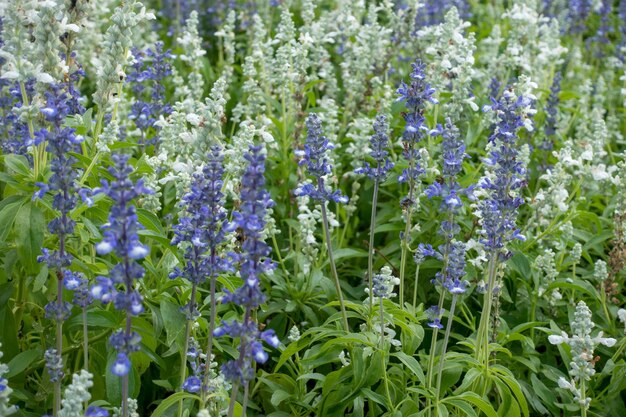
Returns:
<point x="85" y="341"/>
<point x="417" y="275"/>
<point x="209" y="349"/>
<point x="183" y="364"/>
<point x="370" y="255"/>
<point x="39" y="154"/>
<point x="583" y="396"/>
<point x="443" y="352"/>
<point x="233" y="399"/>
<point x="482" y="336"/>
<point x="382" y="353"/>
<point x="242" y="353"/>
<point x="331" y="260"/>
<point x="19" y="301"/>
<point x="405" y="249"/>
<point x="433" y="347"/>
<point x="125" y="377"/>
<point x="246" y="394"/>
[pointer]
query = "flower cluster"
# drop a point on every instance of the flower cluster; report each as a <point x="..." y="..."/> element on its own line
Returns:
<point x="5" y="391"/>
<point x="433" y="314"/>
<point x="150" y="66"/>
<point x="582" y="347"/>
<point x="383" y="284"/>
<point x="452" y="251"/>
<point x="453" y="153"/>
<point x="450" y="52"/>
<point x="379" y="143"/>
<point x="200" y="228"/>
<point x="577" y="14"/>
<point x="552" y="103"/>
<point x="254" y="261"/>
<point x="317" y="163"/>
<point x="120" y="237"/>
<point x="432" y="12"/>
<point x="76" y="395"/>
<point x="14" y="132"/>
<point x="60" y="142"/>
<point x="197" y="361"/>
<point x="115" y="48"/>
<point x="54" y="364"/>
<point x="498" y="210"/>
<point x="415" y="97"/>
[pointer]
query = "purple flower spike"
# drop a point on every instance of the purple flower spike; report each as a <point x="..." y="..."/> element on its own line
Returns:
<point x="317" y="164"/>
<point x="254" y="261"/>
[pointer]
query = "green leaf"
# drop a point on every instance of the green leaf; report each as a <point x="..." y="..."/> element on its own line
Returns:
<point x="411" y="363"/>
<point x="278" y="397"/>
<point x="173" y="321"/>
<point x="30" y="227"/>
<point x="9" y="207"/>
<point x="150" y="221"/>
<point x="18" y="164"/>
<point x="473" y="398"/>
<point x="462" y="406"/>
<point x="377" y="398"/>
<point x="517" y="392"/>
<point x="349" y="253"/>
<point x="114" y="382"/>
<point x="95" y="318"/>
<point x="520" y="263"/>
<point x="172" y="400"/>
<point x="40" y="279"/>
<point x="22" y="361"/>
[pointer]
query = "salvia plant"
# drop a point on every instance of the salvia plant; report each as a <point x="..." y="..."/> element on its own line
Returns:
<point x="312" y="208"/>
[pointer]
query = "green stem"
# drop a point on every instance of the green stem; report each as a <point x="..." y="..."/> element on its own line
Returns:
<point x="331" y="260"/>
<point x="39" y="154"/>
<point x="583" y="396"/>
<point x="370" y="254"/>
<point x="482" y="336"/>
<point x="19" y="301"/>
<point x="280" y="258"/>
<point x="382" y="354"/>
<point x="85" y="341"/>
<point x="246" y="394"/>
<point x="604" y="306"/>
<point x="242" y="353"/>
<point x="209" y="349"/>
<point x="92" y="164"/>
<point x="403" y="257"/>
<point x="446" y="337"/>
<point x="533" y="313"/>
<point x="233" y="399"/>
<point x="433" y="348"/>
<point x="183" y="363"/>
<point x="125" y="377"/>
<point x="59" y="332"/>
<point x="417" y="275"/>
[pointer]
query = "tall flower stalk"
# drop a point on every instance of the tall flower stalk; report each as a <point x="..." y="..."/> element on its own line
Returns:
<point x="452" y="251"/>
<point x="318" y="166"/>
<point x="120" y="237"/>
<point x="253" y="262"/>
<point x="415" y="97"/>
<point x="505" y="177"/>
<point x="115" y="54"/>
<point x="200" y="230"/>
<point x="59" y="142"/>
<point x="382" y="288"/>
<point x="582" y="346"/>
<point x="379" y="143"/>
